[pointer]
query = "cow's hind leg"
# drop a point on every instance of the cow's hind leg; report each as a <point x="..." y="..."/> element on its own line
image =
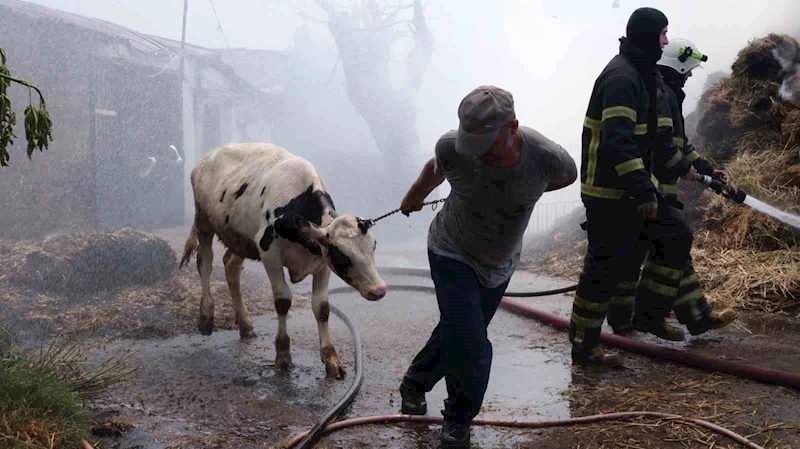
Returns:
<point x="205" y="259"/>
<point x="282" y="295"/>
<point x="233" y="271"/>
<point x="319" y="303"/>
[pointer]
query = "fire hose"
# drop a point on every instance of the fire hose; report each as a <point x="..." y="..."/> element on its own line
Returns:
<point x="307" y="439"/>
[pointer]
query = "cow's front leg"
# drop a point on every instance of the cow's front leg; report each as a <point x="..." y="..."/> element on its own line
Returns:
<point x="282" y="296"/>
<point x="205" y="260"/>
<point x="233" y="274"/>
<point x="319" y="303"/>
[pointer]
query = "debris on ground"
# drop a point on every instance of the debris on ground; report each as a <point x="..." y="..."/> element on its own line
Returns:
<point x="669" y="389"/>
<point x="114" y="426"/>
<point x="748" y="124"/>
<point x="84" y="263"/>
<point x="153" y="304"/>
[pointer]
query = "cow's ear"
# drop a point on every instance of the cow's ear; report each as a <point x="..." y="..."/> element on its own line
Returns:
<point x="302" y="224"/>
<point x="309" y="229"/>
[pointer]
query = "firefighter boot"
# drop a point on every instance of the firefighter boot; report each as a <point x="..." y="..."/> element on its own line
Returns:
<point x="595" y="357"/>
<point x="660" y="329"/>
<point x="714" y="320"/>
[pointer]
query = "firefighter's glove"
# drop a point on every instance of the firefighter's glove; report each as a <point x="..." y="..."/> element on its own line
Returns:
<point x="648" y="210"/>
<point x="720" y="175"/>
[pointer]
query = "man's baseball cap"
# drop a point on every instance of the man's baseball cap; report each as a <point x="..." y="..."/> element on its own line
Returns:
<point x="481" y="114"/>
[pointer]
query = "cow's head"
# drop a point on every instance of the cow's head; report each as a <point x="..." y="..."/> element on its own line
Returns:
<point x="349" y="250"/>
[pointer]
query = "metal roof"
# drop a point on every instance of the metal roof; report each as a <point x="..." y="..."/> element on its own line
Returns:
<point x="146" y="44"/>
<point x="147" y="47"/>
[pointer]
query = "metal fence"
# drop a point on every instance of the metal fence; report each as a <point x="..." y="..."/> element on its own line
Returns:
<point x="545" y="214"/>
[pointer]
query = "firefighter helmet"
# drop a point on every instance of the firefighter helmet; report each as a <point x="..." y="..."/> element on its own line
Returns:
<point x="681" y="55"/>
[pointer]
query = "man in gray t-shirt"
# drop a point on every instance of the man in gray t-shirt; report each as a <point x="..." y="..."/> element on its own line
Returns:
<point x="497" y="172"/>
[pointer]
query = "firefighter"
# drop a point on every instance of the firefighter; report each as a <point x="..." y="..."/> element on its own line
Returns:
<point x="680" y="57"/>
<point x="624" y="210"/>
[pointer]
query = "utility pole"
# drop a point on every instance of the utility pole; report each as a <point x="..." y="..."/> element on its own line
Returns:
<point x="183" y="36"/>
<point x="187" y="128"/>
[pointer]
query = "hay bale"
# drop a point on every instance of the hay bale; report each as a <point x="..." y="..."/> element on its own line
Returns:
<point x="772" y="177"/>
<point x="756" y="60"/>
<point x="84" y="263"/>
<point x="745" y="278"/>
<point x="746" y="102"/>
<point x="691" y="120"/>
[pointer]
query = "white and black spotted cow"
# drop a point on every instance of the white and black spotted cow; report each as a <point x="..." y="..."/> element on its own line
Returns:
<point x="267" y="204"/>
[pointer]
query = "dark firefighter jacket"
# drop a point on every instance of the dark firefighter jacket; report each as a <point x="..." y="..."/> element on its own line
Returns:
<point x="701" y="165"/>
<point x="619" y="149"/>
<point x="677" y="164"/>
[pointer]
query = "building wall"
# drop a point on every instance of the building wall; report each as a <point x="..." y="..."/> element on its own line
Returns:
<point x="213" y="114"/>
<point x="49" y="192"/>
<point x="148" y="121"/>
<point x="87" y="178"/>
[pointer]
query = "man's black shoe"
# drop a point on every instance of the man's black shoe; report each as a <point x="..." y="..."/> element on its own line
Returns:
<point x="412" y="403"/>
<point x="454" y="435"/>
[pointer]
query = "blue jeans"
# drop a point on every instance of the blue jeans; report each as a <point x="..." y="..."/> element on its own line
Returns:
<point x="458" y="349"/>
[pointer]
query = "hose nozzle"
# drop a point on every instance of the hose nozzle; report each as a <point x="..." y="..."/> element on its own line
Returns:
<point x="721" y="188"/>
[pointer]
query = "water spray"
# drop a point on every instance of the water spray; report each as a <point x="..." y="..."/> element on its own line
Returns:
<point x="721" y="188"/>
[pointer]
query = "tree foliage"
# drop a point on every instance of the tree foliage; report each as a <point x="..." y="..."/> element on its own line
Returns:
<point x="38" y="126"/>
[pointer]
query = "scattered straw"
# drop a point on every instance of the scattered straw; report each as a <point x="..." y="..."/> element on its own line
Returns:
<point x="748" y="279"/>
<point x="707" y="397"/>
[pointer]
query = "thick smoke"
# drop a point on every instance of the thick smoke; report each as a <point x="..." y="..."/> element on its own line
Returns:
<point x="788" y="56"/>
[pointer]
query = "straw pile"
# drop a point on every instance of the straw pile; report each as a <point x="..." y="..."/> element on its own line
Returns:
<point x="747" y="124"/>
<point x="84" y="263"/>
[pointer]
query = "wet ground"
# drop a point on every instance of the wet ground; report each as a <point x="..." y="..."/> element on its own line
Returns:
<point x="190" y="386"/>
<point x="221" y="392"/>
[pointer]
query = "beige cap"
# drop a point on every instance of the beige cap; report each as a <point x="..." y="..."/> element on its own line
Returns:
<point x="481" y="114"/>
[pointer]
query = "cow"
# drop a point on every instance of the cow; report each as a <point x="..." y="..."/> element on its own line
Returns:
<point x="264" y="203"/>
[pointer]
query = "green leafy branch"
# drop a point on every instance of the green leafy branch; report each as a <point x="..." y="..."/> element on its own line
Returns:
<point x="38" y="126"/>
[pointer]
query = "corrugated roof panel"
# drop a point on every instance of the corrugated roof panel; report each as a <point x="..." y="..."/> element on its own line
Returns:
<point x="140" y="42"/>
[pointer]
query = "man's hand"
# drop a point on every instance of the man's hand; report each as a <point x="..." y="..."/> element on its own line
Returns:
<point x="428" y="180"/>
<point x="411" y="203"/>
<point x="648" y="210"/>
<point x="720" y="174"/>
<point x="690" y="175"/>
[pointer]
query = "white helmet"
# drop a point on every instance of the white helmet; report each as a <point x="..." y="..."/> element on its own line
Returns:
<point x="681" y="55"/>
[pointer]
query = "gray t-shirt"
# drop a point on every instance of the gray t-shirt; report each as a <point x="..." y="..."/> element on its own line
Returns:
<point x="485" y="215"/>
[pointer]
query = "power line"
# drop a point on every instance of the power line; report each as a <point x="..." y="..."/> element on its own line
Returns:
<point x="219" y="25"/>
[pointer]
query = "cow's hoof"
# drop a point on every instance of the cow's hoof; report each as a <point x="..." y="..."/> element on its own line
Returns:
<point x="246" y="333"/>
<point x="283" y="362"/>
<point x="335" y="372"/>
<point x="205" y="325"/>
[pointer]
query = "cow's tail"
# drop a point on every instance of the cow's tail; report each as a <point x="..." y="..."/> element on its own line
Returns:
<point x="190" y="247"/>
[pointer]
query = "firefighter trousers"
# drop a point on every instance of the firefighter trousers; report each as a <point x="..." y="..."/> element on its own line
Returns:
<point x="691" y="307"/>
<point x="618" y="239"/>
